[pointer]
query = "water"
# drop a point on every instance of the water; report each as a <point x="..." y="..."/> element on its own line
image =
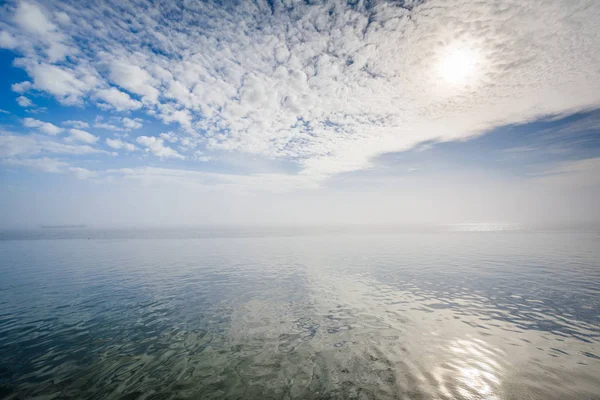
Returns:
<point x="282" y="314"/>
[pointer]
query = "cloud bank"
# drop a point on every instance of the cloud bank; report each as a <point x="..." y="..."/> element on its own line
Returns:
<point x="328" y="85"/>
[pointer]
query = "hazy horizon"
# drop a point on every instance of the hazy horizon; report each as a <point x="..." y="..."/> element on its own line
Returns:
<point x="155" y="113"/>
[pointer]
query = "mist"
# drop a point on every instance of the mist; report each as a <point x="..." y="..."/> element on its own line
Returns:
<point x="415" y="198"/>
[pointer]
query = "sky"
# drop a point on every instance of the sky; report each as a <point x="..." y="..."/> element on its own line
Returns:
<point x="148" y="113"/>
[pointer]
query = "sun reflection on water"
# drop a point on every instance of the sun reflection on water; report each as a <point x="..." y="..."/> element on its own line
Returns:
<point x="473" y="372"/>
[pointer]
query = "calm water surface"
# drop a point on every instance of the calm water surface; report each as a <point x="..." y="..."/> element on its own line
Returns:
<point x="187" y="314"/>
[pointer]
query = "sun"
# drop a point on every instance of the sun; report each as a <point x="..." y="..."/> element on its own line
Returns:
<point x="458" y="66"/>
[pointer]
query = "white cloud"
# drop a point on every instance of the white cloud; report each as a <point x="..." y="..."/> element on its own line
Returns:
<point x="134" y="79"/>
<point x="44" y="164"/>
<point x="68" y="85"/>
<point x="7" y="41"/>
<point x="170" y="113"/>
<point x="76" y="124"/>
<point x="45" y="127"/>
<point x="62" y="17"/>
<point x="72" y="149"/>
<point x="170" y="137"/>
<point x="24" y="101"/>
<point x="200" y="156"/>
<point x="127" y="124"/>
<point x="82" y="173"/>
<point x="82" y="136"/>
<point x="131" y="124"/>
<point x="12" y="145"/>
<point x="120" y="101"/>
<point x="328" y="85"/>
<point x="33" y="19"/>
<point x="157" y="147"/>
<point x="16" y="151"/>
<point x="108" y="127"/>
<point x="21" y="87"/>
<point x="119" y="144"/>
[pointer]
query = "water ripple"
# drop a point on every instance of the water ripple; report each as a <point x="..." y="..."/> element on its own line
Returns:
<point x="418" y="316"/>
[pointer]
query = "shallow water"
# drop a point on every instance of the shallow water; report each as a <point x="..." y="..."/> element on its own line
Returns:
<point x="429" y="315"/>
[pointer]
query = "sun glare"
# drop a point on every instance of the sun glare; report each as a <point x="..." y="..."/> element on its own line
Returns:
<point x="458" y="66"/>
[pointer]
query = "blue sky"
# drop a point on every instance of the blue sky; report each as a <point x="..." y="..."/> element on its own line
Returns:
<point x="206" y="112"/>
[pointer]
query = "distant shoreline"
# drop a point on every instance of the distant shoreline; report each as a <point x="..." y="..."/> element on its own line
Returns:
<point x="62" y="226"/>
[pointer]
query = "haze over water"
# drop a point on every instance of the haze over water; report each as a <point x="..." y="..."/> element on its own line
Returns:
<point x="354" y="121"/>
<point x="464" y="313"/>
